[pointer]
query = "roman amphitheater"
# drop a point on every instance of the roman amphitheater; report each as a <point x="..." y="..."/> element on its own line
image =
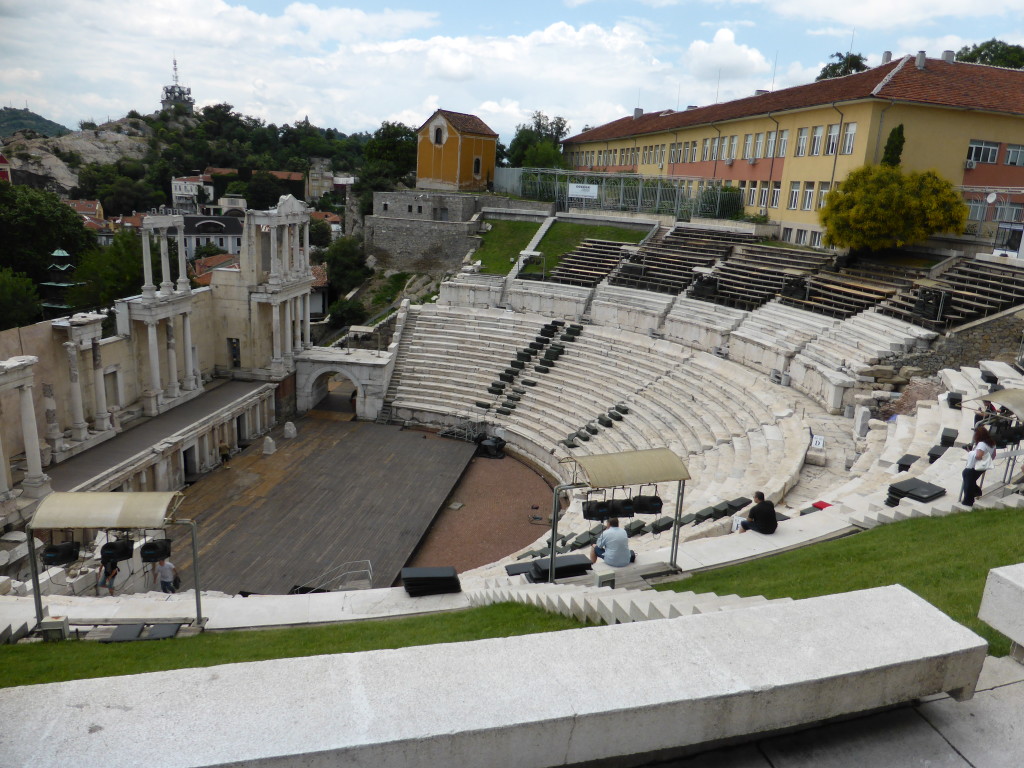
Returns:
<point x="697" y="366"/>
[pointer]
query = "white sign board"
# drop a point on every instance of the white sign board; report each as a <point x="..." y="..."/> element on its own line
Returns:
<point x="588" y="191"/>
<point x="818" y="441"/>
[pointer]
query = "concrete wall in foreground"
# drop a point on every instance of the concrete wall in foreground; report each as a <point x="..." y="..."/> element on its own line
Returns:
<point x="518" y="701"/>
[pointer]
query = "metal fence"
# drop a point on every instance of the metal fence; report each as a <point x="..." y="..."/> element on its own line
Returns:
<point x="680" y="196"/>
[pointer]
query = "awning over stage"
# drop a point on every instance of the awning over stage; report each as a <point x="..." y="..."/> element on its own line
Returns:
<point x="104" y="510"/>
<point x="609" y="470"/>
<point x="1010" y="398"/>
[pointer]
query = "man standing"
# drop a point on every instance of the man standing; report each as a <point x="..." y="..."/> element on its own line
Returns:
<point x="612" y="545"/>
<point x="108" y="572"/>
<point x="165" y="572"/>
<point x="761" y="517"/>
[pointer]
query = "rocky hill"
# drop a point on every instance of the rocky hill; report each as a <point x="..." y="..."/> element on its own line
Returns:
<point x="13" y="120"/>
<point x="58" y="159"/>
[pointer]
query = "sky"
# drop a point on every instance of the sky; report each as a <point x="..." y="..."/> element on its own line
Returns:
<point x="352" y="65"/>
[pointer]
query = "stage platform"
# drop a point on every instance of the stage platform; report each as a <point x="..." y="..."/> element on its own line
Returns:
<point x="340" y="491"/>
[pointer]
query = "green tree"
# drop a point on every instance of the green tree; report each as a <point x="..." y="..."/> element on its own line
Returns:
<point x="893" y="151"/>
<point x="19" y="302"/>
<point x="346" y="265"/>
<point x="540" y="130"/>
<point x="264" y="191"/>
<point x="111" y="273"/>
<point x="844" y="64"/>
<point x="993" y="52"/>
<point x="319" y="233"/>
<point x="393" y="146"/>
<point x="878" y="206"/>
<point x="346" y="312"/>
<point x="543" y="155"/>
<point x="35" y="223"/>
<point x="208" y="249"/>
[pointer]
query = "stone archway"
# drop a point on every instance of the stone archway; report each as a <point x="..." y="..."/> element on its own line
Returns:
<point x="369" y="371"/>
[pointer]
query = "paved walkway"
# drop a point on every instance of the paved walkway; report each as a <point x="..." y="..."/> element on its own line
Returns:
<point x="70" y="474"/>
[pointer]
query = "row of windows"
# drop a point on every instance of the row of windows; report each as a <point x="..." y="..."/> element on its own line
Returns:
<point x="988" y="152"/>
<point x="803" y="237"/>
<point x="807" y="195"/>
<point x="978" y="210"/>
<point x="811" y="141"/>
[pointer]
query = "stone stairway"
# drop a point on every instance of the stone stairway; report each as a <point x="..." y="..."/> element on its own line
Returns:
<point x="605" y="604"/>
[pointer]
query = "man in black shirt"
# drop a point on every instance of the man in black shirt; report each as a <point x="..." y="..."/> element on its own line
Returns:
<point x="761" y="517"/>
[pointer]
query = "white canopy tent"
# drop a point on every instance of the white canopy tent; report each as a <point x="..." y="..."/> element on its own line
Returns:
<point x="108" y="511"/>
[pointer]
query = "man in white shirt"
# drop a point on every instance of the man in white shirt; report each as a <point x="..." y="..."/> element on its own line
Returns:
<point x="612" y="545"/>
<point x="164" y="572"/>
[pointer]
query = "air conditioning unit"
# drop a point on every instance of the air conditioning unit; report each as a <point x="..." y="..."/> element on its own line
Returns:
<point x="752" y="160"/>
<point x="728" y="161"/>
<point x="763" y="212"/>
<point x="970" y="165"/>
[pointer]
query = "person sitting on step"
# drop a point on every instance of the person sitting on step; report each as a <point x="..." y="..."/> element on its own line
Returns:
<point x="612" y="546"/>
<point x="761" y="517"/>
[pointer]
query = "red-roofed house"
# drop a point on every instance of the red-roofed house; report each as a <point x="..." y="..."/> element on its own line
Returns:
<point x="787" y="149"/>
<point x="455" y="152"/>
<point x="91" y="208"/>
<point x="318" y="294"/>
<point x="201" y="270"/>
<point x="190" y="192"/>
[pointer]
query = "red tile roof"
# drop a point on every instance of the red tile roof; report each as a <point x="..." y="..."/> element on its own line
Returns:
<point x="88" y="207"/>
<point x="330" y="218"/>
<point x="4" y="160"/>
<point x="463" y="123"/>
<point x="283" y="175"/>
<point x="319" y="275"/>
<point x="956" y="84"/>
<point x="202" y="269"/>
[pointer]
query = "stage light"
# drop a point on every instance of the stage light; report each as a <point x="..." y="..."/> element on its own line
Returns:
<point x="116" y="551"/>
<point x="155" y="550"/>
<point x="61" y="554"/>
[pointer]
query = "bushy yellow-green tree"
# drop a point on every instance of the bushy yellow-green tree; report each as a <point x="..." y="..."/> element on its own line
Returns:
<point x="879" y="206"/>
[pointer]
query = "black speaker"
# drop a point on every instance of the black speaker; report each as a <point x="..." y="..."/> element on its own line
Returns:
<point x="61" y="554"/>
<point x="705" y="286"/>
<point x="647" y="505"/>
<point x="155" y="550"/>
<point x="597" y="510"/>
<point x="621" y="508"/>
<point x="117" y="551"/>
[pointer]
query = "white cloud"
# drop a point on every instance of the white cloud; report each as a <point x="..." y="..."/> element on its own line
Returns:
<point x="886" y="14"/>
<point x="723" y="58"/>
<point x="737" y="24"/>
<point x="830" y="32"/>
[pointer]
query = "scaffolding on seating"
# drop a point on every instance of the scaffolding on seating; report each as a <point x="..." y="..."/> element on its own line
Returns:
<point x="467" y="430"/>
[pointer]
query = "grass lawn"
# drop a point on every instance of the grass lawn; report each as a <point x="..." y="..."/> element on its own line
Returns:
<point x="944" y="560"/>
<point x="72" y="660"/>
<point x="505" y="240"/>
<point x="564" y="237"/>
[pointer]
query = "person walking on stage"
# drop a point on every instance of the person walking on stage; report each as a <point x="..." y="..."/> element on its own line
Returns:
<point x="164" y="572"/>
<point x="979" y="459"/>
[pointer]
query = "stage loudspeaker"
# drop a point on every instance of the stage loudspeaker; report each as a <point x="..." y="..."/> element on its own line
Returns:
<point x="117" y="551"/>
<point x="61" y="554"/>
<point x="599" y="509"/>
<point x="621" y="508"/>
<point x="155" y="550"/>
<point x="647" y="505"/>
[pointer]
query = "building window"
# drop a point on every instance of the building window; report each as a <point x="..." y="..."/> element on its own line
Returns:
<point x="759" y="145"/>
<point x="787" y="234"/>
<point x="808" y="195"/>
<point x="764" y="194"/>
<point x="1009" y="212"/>
<point x="752" y="197"/>
<point x="770" y="147"/>
<point x="801" y="237"/>
<point x="801" y="142"/>
<point x="983" y="151"/>
<point x="385" y="206"/>
<point x="732" y="146"/>
<point x="776" y="193"/>
<point x="816" y="239"/>
<point x="705" y="150"/>
<point x="794" y="195"/>
<point x="832" y="140"/>
<point x="748" y="144"/>
<point x="408" y="209"/>
<point x="438" y="136"/>
<point x="849" y="134"/>
<point x="977" y="210"/>
<point x="1014" y="154"/>
<point x="816" y="136"/>
<point x="671" y="153"/>
<point x="714" y="148"/>
<point x="220" y="241"/>
<point x="823" y="189"/>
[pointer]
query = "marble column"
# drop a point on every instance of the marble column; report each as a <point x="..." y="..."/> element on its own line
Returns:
<point x="307" y="336"/>
<point x="5" y="481"/>
<point x="183" y="284"/>
<point x="54" y="435"/>
<point x="297" y="323"/>
<point x="275" y="267"/>
<point x="173" y="389"/>
<point x="295" y="248"/>
<point x="287" y="304"/>
<point x="154" y="360"/>
<point x="160" y="473"/>
<point x="190" y="382"/>
<point x="79" y="429"/>
<point x="275" y="314"/>
<point x="102" y="421"/>
<point x="307" y="266"/>
<point x="286" y="250"/>
<point x="148" y="289"/>
<point x="36" y="484"/>
<point x="166" y="286"/>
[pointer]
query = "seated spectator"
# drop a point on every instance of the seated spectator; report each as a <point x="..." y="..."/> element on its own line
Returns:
<point x="612" y="546"/>
<point x="761" y="517"/>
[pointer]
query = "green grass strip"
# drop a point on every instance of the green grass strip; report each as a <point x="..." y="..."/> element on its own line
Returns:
<point x="29" y="664"/>
<point x="501" y="246"/>
<point x="945" y="560"/>
<point x="564" y="236"/>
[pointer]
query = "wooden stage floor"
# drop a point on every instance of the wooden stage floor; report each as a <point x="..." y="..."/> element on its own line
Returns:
<point x="340" y="491"/>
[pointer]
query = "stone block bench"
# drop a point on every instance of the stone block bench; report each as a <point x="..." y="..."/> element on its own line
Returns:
<point x="1002" y="604"/>
<point x="457" y="703"/>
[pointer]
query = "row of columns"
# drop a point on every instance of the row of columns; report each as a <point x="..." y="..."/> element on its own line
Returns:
<point x="102" y="421"/>
<point x="292" y="259"/>
<point x="166" y="286"/>
<point x="174" y="386"/>
<point x="35" y="484"/>
<point x="292" y="333"/>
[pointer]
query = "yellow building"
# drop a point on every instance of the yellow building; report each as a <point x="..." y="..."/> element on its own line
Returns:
<point x="787" y="149"/>
<point x="455" y="152"/>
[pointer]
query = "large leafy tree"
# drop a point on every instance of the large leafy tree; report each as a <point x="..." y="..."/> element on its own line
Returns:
<point x="393" y="146"/>
<point x="19" y="302"/>
<point x="993" y="52"/>
<point x="35" y="223"/>
<point x="110" y="273"/>
<point x="346" y="265"/>
<point x="844" y="64"/>
<point x="878" y="206"/>
<point x="541" y="130"/>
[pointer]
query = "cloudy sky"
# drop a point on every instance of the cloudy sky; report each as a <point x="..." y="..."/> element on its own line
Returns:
<point x="352" y="64"/>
